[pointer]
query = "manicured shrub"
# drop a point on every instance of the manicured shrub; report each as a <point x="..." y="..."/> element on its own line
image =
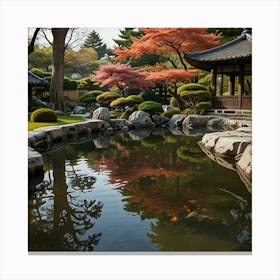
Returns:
<point x="170" y="113"/>
<point x="148" y="95"/>
<point x="106" y="97"/>
<point x="173" y="102"/>
<point x="151" y="107"/>
<point x="90" y="97"/>
<point x="134" y="99"/>
<point x="189" y="111"/>
<point x="203" y="105"/>
<point x="194" y="93"/>
<point x="190" y="87"/>
<point x="125" y="115"/>
<point x="126" y="101"/>
<point x="87" y="84"/>
<point x="69" y="84"/>
<point x="43" y="115"/>
<point x="120" y="102"/>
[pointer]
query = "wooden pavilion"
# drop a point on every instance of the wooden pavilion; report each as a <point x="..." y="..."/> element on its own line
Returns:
<point x="233" y="59"/>
<point x="33" y="81"/>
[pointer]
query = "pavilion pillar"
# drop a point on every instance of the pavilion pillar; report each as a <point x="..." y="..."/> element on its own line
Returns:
<point x="214" y="82"/>
<point x="221" y="84"/>
<point x="231" y="84"/>
<point x="241" y="85"/>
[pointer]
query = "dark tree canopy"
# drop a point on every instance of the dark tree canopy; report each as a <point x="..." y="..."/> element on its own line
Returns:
<point x="94" y="41"/>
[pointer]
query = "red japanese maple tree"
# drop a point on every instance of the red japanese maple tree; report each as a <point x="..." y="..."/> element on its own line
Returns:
<point x="170" y="43"/>
<point x="122" y="76"/>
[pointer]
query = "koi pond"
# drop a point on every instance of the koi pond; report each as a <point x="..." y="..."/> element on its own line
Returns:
<point x="137" y="192"/>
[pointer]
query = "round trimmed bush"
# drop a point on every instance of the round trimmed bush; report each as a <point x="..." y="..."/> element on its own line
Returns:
<point x="43" y="115"/>
<point x="170" y="113"/>
<point x="191" y="87"/>
<point x="203" y="105"/>
<point x="151" y="107"/>
<point x="134" y="99"/>
<point x="106" y="97"/>
<point x="120" y="102"/>
<point x="90" y="97"/>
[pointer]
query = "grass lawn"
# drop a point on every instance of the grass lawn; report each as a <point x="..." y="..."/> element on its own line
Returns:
<point x="60" y="120"/>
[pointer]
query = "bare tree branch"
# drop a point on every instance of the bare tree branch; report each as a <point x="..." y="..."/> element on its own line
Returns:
<point x="46" y="37"/>
<point x="32" y="42"/>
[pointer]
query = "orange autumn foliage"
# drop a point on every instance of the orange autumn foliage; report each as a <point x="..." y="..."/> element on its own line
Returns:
<point x="171" y="76"/>
<point x="168" y="40"/>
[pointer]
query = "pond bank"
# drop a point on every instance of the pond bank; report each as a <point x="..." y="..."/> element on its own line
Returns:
<point x="230" y="146"/>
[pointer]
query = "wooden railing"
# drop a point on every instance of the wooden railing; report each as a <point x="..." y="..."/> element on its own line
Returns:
<point x="231" y="102"/>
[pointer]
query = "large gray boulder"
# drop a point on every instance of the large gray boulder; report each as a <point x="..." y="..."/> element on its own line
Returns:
<point x="55" y="132"/>
<point x="141" y="119"/>
<point x="79" y="109"/>
<point x="196" y="121"/>
<point x="159" y="119"/>
<point x="166" y="108"/>
<point x="101" y="113"/>
<point x="231" y="146"/>
<point x="176" y="120"/>
<point x="244" y="164"/>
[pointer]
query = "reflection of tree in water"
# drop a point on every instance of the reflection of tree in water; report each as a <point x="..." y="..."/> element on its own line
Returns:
<point x="63" y="225"/>
<point x="167" y="189"/>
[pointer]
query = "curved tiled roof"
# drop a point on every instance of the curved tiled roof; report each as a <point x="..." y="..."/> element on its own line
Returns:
<point x="237" y="50"/>
<point x="36" y="80"/>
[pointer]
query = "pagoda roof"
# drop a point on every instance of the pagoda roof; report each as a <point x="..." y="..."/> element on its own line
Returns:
<point x="36" y="80"/>
<point x="236" y="51"/>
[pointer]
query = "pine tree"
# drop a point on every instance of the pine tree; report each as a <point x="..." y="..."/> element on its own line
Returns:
<point x="125" y="37"/>
<point x="94" y="41"/>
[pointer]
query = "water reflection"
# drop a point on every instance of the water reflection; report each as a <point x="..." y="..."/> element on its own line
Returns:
<point x="58" y="218"/>
<point x="190" y="202"/>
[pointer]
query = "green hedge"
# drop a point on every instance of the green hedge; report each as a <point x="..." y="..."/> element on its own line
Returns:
<point x="90" y="97"/>
<point x="69" y="84"/>
<point x="151" y="107"/>
<point x="43" y="115"/>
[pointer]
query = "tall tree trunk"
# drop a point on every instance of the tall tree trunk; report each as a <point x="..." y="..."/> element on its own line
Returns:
<point x="32" y="42"/>
<point x="56" y="87"/>
<point x="182" y="104"/>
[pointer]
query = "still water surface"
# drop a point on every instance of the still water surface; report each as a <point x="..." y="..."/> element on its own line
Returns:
<point x="159" y="193"/>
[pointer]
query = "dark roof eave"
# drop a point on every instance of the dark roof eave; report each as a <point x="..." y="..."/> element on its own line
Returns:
<point x="210" y="64"/>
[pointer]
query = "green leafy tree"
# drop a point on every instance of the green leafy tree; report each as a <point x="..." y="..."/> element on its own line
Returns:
<point x="94" y="41"/>
<point x="82" y="61"/>
<point x="40" y="58"/>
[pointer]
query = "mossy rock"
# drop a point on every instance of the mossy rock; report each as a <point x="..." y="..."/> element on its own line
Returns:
<point x="43" y="115"/>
